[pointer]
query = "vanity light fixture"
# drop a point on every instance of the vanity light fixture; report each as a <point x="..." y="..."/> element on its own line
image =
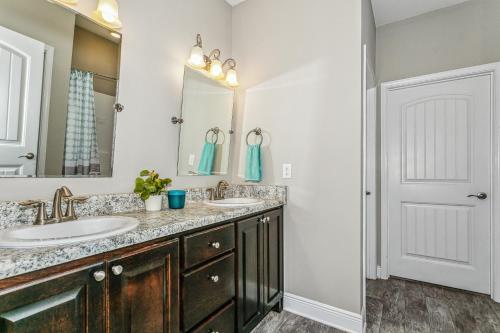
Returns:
<point x="212" y="63"/>
<point x="197" y="58"/>
<point x="107" y="13"/>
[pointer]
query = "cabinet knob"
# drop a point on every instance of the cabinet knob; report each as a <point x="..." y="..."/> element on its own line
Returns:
<point x="215" y="245"/>
<point x="117" y="270"/>
<point x="99" y="276"/>
<point x="214" y="278"/>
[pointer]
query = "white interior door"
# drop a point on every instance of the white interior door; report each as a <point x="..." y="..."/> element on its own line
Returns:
<point x="438" y="153"/>
<point x="21" y="76"/>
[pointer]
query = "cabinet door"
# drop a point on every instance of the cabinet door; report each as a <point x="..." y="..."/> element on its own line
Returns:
<point x="273" y="259"/>
<point x="144" y="291"/>
<point x="250" y="273"/>
<point x="72" y="302"/>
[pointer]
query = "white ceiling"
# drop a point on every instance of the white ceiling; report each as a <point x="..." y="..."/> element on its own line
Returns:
<point x="234" y="2"/>
<point x="388" y="11"/>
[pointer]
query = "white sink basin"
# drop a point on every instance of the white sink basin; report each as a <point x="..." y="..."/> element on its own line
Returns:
<point x="86" y="228"/>
<point x="234" y="202"/>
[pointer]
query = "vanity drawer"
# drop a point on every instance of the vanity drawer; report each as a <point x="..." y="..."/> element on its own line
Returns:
<point x="207" y="289"/>
<point x="221" y="322"/>
<point x="205" y="245"/>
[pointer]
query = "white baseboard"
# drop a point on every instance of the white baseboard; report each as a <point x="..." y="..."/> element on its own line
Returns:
<point x="326" y="314"/>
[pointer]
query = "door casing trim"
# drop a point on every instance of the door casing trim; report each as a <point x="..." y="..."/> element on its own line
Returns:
<point x="493" y="71"/>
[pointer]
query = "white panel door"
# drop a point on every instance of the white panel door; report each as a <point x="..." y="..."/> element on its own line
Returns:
<point x="21" y="76"/>
<point x="439" y="152"/>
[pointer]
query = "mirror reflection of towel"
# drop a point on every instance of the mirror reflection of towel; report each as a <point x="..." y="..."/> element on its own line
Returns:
<point x="217" y="168"/>
<point x="207" y="159"/>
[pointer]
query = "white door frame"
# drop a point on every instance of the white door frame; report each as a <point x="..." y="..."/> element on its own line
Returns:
<point x="493" y="70"/>
<point x="371" y="183"/>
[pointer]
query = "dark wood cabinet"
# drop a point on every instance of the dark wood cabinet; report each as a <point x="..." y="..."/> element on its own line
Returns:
<point x="260" y="268"/>
<point x="218" y="279"/>
<point x="273" y="261"/>
<point x="70" y="302"/>
<point x="144" y="291"/>
<point x="207" y="289"/>
<point x="250" y="273"/>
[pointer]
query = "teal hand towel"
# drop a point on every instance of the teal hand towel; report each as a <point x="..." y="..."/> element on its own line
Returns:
<point x="253" y="171"/>
<point x="207" y="159"/>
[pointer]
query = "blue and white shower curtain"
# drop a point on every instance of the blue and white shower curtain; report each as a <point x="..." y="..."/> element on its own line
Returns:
<point x="81" y="156"/>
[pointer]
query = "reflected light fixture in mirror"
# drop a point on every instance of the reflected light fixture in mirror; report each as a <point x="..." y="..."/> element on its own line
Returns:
<point x="107" y="13"/>
<point x="212" y="64"/>
<point x="66" y="2"/>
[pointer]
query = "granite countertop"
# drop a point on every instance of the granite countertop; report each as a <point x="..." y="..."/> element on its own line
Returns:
<point x="152" y="226"/>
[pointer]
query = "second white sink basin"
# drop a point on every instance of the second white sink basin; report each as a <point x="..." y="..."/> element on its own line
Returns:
<point x="235" y="202"/>
<point x="87" y="228"/>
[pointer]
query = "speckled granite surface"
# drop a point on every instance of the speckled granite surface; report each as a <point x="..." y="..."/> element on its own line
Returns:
<point x="12" y="214"/>
<point x="152" y="225"/>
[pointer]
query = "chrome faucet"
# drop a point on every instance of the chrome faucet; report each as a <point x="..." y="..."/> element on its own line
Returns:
<point x="63" y="193"/>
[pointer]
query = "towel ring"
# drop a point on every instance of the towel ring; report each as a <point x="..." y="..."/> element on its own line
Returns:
<point x="215" y="133"/>
<point x="258" y="133"/>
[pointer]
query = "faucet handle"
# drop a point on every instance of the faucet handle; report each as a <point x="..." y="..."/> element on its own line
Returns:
<point x="70" y="207"/>
<point x="41" y="216"/>
<point x="211" y="193"/>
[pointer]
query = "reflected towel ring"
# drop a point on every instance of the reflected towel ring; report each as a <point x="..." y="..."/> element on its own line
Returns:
<point x="215" y="133"/>
<point x="258" y="133"/>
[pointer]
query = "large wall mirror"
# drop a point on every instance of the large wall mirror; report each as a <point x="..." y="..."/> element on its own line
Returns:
<point x="59" y="76"/>
<point x="205" y="137"/>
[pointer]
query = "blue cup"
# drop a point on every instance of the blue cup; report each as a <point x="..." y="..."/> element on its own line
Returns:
<point x="176" y="199"/>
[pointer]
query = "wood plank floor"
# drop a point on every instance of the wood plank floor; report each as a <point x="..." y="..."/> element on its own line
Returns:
<point x="402" y="306"/>
<point x="287" y="322"/>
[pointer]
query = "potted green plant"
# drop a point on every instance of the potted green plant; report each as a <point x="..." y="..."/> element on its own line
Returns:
<point x="151" y="187"/>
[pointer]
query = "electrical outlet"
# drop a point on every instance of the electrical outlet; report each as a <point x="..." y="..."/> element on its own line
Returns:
<point x="287" y="171"/>
<point x="191" y="159"/>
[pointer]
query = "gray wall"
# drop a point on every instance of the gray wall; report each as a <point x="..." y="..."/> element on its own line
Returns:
<point x="460" y="36"/>
<point x="369" y="37"/>
<point x="299" y="65"/>
<point x="455" y="37"/>
<point x="157" y="39"/>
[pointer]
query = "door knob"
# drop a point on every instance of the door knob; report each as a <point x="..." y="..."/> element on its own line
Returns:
<point x="480" y="195"/>
<point x="29" y="156"/>
<point x="117" y="270"/>
<point x="99" y="276"/>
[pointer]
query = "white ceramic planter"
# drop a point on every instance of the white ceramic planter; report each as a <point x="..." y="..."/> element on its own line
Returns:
<point x="153" y="204"/>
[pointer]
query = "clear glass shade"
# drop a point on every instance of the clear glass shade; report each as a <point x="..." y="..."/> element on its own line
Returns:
<point x="197" y="59"/>
<point x="107" y="12"/>
<point x="232" y="78"/>
<point x="216" y="69"/>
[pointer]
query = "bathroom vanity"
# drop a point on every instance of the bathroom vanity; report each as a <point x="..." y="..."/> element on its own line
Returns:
<point x="221" y="273"/>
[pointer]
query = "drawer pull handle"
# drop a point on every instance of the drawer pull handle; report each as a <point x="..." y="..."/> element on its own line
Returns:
<point x="117" y="270"/>
<point x="214" y="278"/>
<point x="212" y="331"/>
<point x="99" y="276"/>
<point x="215" y="245"/>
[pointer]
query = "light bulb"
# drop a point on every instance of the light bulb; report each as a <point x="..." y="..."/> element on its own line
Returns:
<point x="232" y="78"/>
<point x="216" y="69"/>
<point x="197" y="59"/>
<point x="107" y="11"/>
